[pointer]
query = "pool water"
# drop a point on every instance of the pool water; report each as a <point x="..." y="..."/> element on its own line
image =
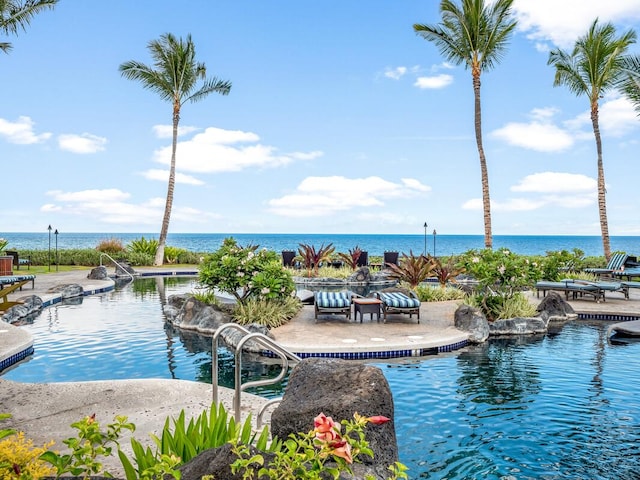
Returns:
<point x="563" y="405"/>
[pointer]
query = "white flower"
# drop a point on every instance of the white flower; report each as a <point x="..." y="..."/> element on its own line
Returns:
<point x="265" y="291"/>
<point x="475" y="260"/>
<point x="240" y="274"/>
<point x="501" y="269"/>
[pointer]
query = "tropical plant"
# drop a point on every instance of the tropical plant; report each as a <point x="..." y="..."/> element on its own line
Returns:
<point x="593" y="67"/>
<point x="16" y="15"/>
<point x="87" y="448"/>
<point x="432" y="293"/>
<point x="500" y="274"/>
<point x="445" y="272"/>
<point x="246" y="272"/>
<point x="476" y="35"/>
<point x="324" y="452"/>
<point x="172" y="254"/>
<point x="351" y="259"/>
<point x="270" y="313"/>
<point x="174" y="76"/>
<point x="311" y="258"/>
<point x="558" y="264"/>
<point x="411" y="269"/>
<point x="630" y="82"/>
<point x="142" y="245"/>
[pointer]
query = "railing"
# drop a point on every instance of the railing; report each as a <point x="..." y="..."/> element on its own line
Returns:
<point x="285" y="356"/>
<point x="112" y="259"/>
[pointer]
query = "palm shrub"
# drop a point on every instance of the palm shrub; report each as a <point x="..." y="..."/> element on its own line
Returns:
<point x="172" y="254"/>
<point x="142" y="245"/>
<point x="411" y="269"/>
<point x="500" y="275"/>
<point x="246" y="272"/>
<point x="311" y="258"/>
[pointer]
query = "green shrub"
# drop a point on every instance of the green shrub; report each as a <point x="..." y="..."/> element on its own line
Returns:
<point x="333" y="272"/>
<point x="270" y="313"/>
<point x="142" y="245"/>
<point x="436" y="293"/>
<point x="497" y="308"/>
<point x="556" y="265"/>
<point x="246" y="272"/>
<point x="138" y="259"/>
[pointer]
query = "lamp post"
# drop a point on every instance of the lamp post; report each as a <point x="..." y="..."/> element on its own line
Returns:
<point x="56" y="234"/>
<point x="49" y="228"/>
<point x="434" y="242"/>
<point x="424" y="252"/>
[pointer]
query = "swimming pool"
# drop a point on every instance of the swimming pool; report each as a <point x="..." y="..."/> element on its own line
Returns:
<point x="564" y="405"/>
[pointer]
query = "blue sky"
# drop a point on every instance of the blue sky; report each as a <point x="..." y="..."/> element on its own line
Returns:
<point x="340" y="120"/>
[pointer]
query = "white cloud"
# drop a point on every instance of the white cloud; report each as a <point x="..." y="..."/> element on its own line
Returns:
<point x="163" y="175"/>
<point x="540" y="134"/>
<point x="111" y="206"/>
<point x="321" y="196"/>
<point x="562" y="22"/>
<point x="85" y="143"/>
<point x="166" y="131"/>
<point x="556" y="182"/>
<point x="433" y="82"/>
<point x="217" y="150"/>
<point x="395" y="73"/>
<point x="616" y="118"/>
<point x="21" y="131"/>
<point x="547" y="190"/>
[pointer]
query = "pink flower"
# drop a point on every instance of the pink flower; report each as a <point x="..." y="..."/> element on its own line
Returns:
<point x="378" y="419"/>
<point x="326" y="429"/>
<point x="340" y="448"/>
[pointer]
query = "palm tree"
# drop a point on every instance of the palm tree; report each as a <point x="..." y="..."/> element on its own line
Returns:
<point x="475" y="35"/>
<point x="174" y="76"/>
<point x="594" y="66"/>
<point x="630" y="83"/>
<point x="16" y="15"/>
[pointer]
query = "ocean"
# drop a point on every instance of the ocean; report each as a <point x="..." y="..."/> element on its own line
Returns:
<point x="374" y="244"/>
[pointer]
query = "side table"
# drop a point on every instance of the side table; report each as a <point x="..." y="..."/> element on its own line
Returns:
<point x="367" y="305"/>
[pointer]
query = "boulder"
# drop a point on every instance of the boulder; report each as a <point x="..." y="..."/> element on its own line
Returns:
<point x="98" y="273"/>
<point x="305" y="296"/>
<point x="472" y="320"/>
<point x="30" y="304"/>
<point x="518" y="326"/>
<point x="189" y="313"/>
<point x="362" y="275"/>
<point x="554" y="307"/>
<point x="70" y="290"/>
<point x="124" y="269"/>
<point x="340" y="388"/>
<point x="216" y="462"/>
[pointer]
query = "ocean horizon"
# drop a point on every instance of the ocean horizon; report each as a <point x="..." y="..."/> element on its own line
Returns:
<point x="374" y="244"/>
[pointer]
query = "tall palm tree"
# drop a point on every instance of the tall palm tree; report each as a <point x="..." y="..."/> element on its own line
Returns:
<point x="174" y="76"/>
<point x="17" y="14"/>
<point x="593" y="67"/>
<point x="630" y="83"/>
<point x="476" y="35"/>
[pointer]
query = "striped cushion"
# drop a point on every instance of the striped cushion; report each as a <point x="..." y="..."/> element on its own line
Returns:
<point x="333" y="299"/>
<point x="10" y="279"/>
<point x="398" y="300"/>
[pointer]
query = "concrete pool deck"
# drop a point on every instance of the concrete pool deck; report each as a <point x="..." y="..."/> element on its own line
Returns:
<point x="45" y="411"/>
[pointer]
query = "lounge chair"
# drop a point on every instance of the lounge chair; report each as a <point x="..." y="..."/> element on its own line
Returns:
<point x="363" y="259"/>
<point x="390" y="258"/>
<point x="398" y="302"/>
<point x="616" y="263"/>
<point x="17" y="261"/>
<point x="570" y="286"/>
<point x="332" y="303"/>
<point x="288" y="258"/>
<point x="11" y="283"/>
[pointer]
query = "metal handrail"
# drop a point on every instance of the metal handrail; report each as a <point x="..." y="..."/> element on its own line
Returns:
<point x="284" y="355"/>
<point x="114" y="261"/>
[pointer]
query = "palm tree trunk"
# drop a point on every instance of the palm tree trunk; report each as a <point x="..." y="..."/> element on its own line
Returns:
<point x="486" y="198"/>
<point x="159" y="260"/>
<point x="602" y="191"/>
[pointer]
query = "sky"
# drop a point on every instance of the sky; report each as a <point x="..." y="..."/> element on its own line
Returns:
<point x="340" y="119"/>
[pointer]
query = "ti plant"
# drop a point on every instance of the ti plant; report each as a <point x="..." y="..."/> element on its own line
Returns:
<point x="411" y="269"/>
<point x="311" y="258"/>
<point x="446" y="272"/>
<point x="351" y="258"/>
